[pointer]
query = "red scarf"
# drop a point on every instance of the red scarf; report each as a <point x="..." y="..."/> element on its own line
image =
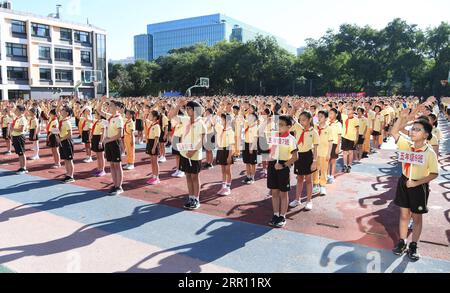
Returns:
<point x="61" y="123"/>
<point x="301" y="140"/>
<point x="84" y="124"/>
<point x="273" y="149"/>
<point x="347" y="122"/>
<point x="50" y="124"/>
<point x="320" y="130"/>
<point x="14" y="122"/>
<point x="112" y="117"/>
<point x="95" y="124"/>
<point x="150" y="128"/>
<point x="408" y="165"/>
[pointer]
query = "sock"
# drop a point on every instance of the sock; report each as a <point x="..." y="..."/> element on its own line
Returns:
<point x="284" y="216"/>
<point x="276" y="214"/>
<point x="228" y="185"/>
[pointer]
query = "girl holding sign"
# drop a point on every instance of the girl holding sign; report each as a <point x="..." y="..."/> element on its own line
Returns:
<point x="153" y="135"/>
<point x="225" y="143"/>
<point x="53" y="139"/>
<point x="413" y="187"/>
<point x="283" y="155"/>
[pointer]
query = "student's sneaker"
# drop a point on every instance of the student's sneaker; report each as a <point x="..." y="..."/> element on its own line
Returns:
<point x="193" y="204"/>
<point x="113" y="191"/>
<point x="174" y="174"/>
<point x="294" y="204"/>
<point x="365" y="155"/>
<point x="413" y="254"/>
<point x="227" y="191"/>
<point x="385" y="140"/>
<point x="316" y="189"/>
<point x="209" y="166"/>
<point x="274" y="221"/>
<point x="330" y="180"/>
<point x="281" y="222"/>
<point x="323" y="191"/>
<point x="349" y="169"/>
<point x="180" y="174"/>
<point x="246" y="180"/>
<point x="88" y="160"/>
<point x="162" y="160"/>
<point x="401" y="248"/>
<point x="56" y="166"/>
<point x="309" y="206"/>
<point x="68" y="179"/>
<point x="35" y="158"/>
<point x="100" y="174"/>
<point x="251" y="181"/>
<point x="8" y="153"/>
<point x="411" y="225"/>
<point x="221" y="191"/>
<point x="154" y="181"/>
<point x="119" y="190"/>
<point x="264" y="174"/>
<point x="21" y="171"/>
<point x="128" y="167"/>
<point x="344" y="169"/>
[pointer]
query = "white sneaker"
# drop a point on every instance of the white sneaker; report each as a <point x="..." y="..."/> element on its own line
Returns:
<point x="162" y="160"/>
<point x="294" y="204"/>
<point x="227" y="191"/>
<point x="309" y="206"/>
<point x="323" y="191"/>
<point x="34" y="158"/>
<point x="128" y="167"/>
<point x="316" y="189"/>
<point x="88" y="160"/>
<point x="180" y="175"/>
<point x="330" y="180"/>
<point x="175" y="174"/>
<point x="8" y="153"/>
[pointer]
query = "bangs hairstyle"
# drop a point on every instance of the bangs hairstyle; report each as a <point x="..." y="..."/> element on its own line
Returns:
<point x="426" y="126"/>
<point x="324" y="113"/>
<point x="434" y="117"/>
<point x="21" y="108"/>
<point x="287" y="119"/>
<point x="68" y="110"/>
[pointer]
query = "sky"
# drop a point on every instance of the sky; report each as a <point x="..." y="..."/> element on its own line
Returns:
<point x="292" y="20"/>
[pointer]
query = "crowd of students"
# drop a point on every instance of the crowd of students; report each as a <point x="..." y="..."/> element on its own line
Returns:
<point x="308" y="134"/>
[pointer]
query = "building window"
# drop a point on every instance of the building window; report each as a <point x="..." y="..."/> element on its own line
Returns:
<point x="82" y="37"/>
<point x="45" y="74"/>
<point x="16" y="50"/>
<point x="18" y="27"/>
<point x="63" y="75"/>
<point x="85" y="57"/>
<point x="40" y="30"/>
<point x="44" y="53"/>
<point x="15" y="73"/>
<point x="63" y="54"/>
<point x="65" y="34"/>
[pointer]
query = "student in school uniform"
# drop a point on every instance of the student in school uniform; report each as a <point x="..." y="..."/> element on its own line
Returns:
<point x="66" y="149"/>
<point x="53" y="138"/>
<point x="238" y="124"/>
<point x="18" y="130"/>
<point x="307" y="142"/>
<point x="122" y="139"/>
<point x="139" y="123"/>
<point x="34" y="130"/>
<point x="362" y="131"/>
<point x="98" y="133"/>
<point x="147" y="123"/>
<point x="265" y="130"/>
<point x="225" y="141"/>
<point x="323" y="152"/>
<point x="437" y="134"/>
<point x="86" y="126"/>
<point x="413" y="187"/>
<point x="164" y="125"/>
<point x="154" y="133"/>
<point x="5" y="122"/>
<point x="250" y="154"/>
<point x="336" y="130"/>
<point x="349" y="137"/>
<point x="377" y="127"/>
<point x="209" y="120"/>
<point x="194" y="132"/>
<point x="370" y="115"/>
<point x="129" y="139"/>
<point x="114" y="133"/>
<point x="177" y="129"/>
<point x="283" y="156"/>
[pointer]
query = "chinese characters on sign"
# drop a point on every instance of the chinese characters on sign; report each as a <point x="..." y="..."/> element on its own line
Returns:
<point x="411" y="158"/>
<point x="278" y="141"/>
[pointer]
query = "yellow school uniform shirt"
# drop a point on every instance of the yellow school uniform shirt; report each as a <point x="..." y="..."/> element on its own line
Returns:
<point x="98" y="127"/>
<point x="431" y="165"/>
<point x="165" y="122"/>
<point x="362" y="125"/>
<point x="370" y="116"/>
<point x="325" y="139"/>
<point x="349" y="130"/>
<point x="336" y="129"/>
<point x="386" y="116"/>
<point x="283" y="152"/>
<point x="224" y="136"/>
<point x="86" y="124"/>
<point x="32" y="123"/>
<point x="178" y="128"/>
<point x="193" y="133"/>
<point x="377" y="122"/>
<point x="310" y="138"/>
<point x="6" y="120"/>
<point x="251" y="132"/>
<point x="115" y="123"/>
<point x="20" y="121"/>
<point x="130" y="127"/>
<point x="65" y="128"/>
<point x="154" y="131"/>
<point x="437" y="135"/>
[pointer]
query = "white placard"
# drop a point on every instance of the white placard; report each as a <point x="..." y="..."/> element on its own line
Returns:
<point x="105" y="123"/>
<point x="278" y="141"/>
<point x="412" y="158"/>
<point x="185" y="147"/>
<point x="54" y="130"/>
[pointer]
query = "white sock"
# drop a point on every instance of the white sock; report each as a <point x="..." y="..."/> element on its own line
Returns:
<point x="276" y="214"/>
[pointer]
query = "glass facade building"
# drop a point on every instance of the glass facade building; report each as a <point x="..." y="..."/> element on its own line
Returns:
<point x="209" y="30"/>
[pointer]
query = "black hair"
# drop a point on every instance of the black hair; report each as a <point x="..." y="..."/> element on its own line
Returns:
<point x="226" y="117"/>
<point x="377" y="106"/>
<point x="324" y="113"/>
<point x="426" y="126"/>
<point x="156" y="114"/>
<point x="308" y="116"/>
<point x="254" y="115"/>
<point x="362" y="110"/>
<point x="196" y="107"/>
<point x="68" y="110"/>
<point x="53" y="112"/>
<point x="21" y="108"/>
<point x="287" y="119"/>
<point x="33" y="110"/>
<point x="268" y="112"/>
<point x="211" y="111"/>
<point x="434" y="117"/>
<point x="132" y="113"/>
<point x="338" y="114"/>
<point x="236" y="107"/>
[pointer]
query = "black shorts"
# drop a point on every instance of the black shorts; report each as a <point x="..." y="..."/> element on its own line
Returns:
<point x="333" y="152"/>
<point x="66" y="150"/>
<point x="347" y="145"/>
<point x="251" y="159"/>
<point x="222" y="157"/>
<point x="139" y="125"/>
<point x="175" y="141"/>
<point x="376" y="133"/>
<point x="448" y="112"/>
<point x="149" y="148"/>
<point x="31" y="136"/>
<point x="77" y="122"/>
<point x="19" y="144"/>
<point x="302" y="166"/>
<point x="161" y="138"/>
<point x="112" y="152"/>
<point x="53" y="140"/>
<point x="263" y="146"/>
<point x="192" y="167"/>
<point x="278" y="179"/>
<point x="386" y="128"/>
<point x="361" y="139"/>
<point x="86" y="137"/>
<point x="4" y="133"/>
<point x="210" y="144"/>
<point x="95" y="144"/>
<point x="415" y="199"/>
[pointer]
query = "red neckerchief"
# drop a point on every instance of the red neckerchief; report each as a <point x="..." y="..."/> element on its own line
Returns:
<point x="14" y="122"/>
<point x="301" y="140"/>
<point x="61" y="123"/>
<point x="320" y="129"/>
<point x="112" y="117"/>
<point x="95" y="124"/>
<point x="408" y="165"/>
<point x="347" y="122"/>
<point x="273" y="149"/>
<point x="150" y="128"/>
<point x="50" y="124"/>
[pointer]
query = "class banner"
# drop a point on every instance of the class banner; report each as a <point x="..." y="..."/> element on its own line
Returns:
<point x="347" y="95"/>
